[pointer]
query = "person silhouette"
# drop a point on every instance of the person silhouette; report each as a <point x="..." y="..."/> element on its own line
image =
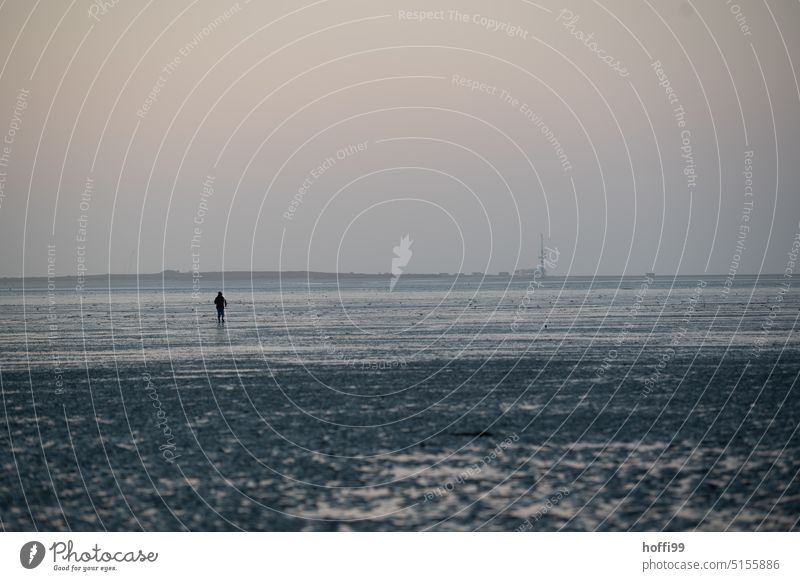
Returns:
<point x="221" y="304"/>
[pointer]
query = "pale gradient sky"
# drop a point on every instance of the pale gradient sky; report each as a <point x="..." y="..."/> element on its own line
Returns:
<point x="272" y="90"/>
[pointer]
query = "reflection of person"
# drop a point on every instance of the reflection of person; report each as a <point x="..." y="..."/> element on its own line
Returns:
<point x="221" y="304"/>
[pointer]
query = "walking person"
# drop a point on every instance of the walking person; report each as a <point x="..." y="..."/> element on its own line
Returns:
<point x="221" y="304"/>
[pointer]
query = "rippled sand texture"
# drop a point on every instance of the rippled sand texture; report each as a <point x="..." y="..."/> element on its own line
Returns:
<point x="442" y="405"/>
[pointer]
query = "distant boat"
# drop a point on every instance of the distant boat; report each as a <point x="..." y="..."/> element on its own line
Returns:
<point x="650" y="274"/>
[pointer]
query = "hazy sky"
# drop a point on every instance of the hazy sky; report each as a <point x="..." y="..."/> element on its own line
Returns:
<point x="283" y="135"/>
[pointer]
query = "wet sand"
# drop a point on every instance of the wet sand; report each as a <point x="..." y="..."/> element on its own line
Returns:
<point x="444" y="405"/>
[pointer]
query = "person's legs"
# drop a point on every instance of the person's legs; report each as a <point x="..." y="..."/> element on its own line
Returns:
<point x="220" y="316"/>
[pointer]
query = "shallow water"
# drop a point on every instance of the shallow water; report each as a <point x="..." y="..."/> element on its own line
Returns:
<point x="445" y="405"/>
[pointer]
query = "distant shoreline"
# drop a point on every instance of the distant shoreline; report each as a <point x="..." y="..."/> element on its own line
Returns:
<point x="179" y="276"/>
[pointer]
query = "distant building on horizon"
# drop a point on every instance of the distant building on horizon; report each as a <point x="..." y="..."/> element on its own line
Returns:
<point x="539" y="271"/>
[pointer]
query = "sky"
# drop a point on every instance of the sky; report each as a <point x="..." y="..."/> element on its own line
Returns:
<point x="143" y="136"/>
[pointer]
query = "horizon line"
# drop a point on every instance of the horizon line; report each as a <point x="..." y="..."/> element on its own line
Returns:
<point x="190" y="274"/>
